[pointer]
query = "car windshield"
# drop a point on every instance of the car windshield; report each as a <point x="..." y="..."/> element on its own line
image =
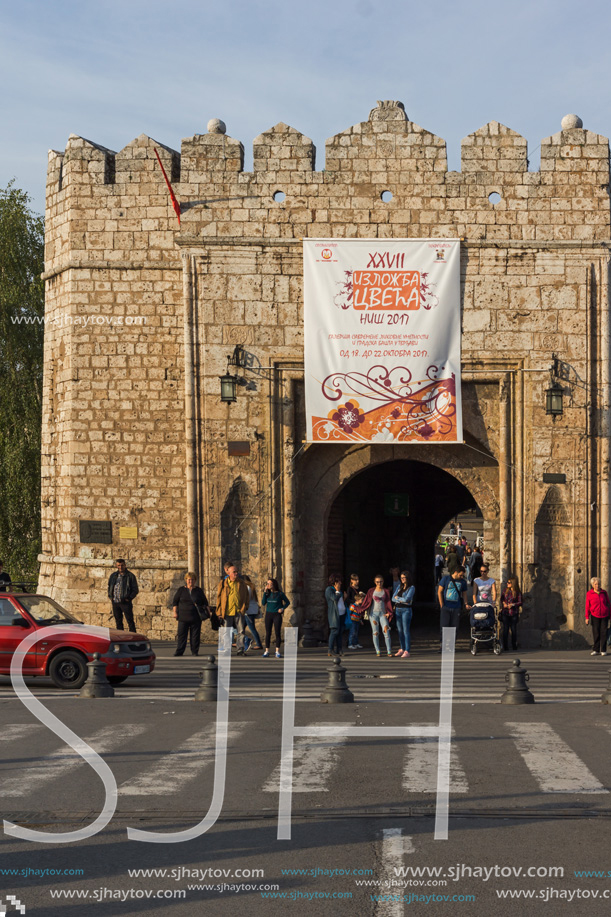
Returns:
<point x="46" y="611"/>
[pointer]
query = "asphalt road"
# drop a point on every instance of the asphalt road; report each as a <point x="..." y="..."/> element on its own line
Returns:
<point x="529" y="789"/>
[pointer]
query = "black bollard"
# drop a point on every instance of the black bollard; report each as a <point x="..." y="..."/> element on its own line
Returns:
<point x="606" y="697"/>
<point x="97" y="684"/>
<point x="208" y="688"/>
<point x="337" y="691"/>
<point x="517" y="691"/>
<point x="308" y="638"/>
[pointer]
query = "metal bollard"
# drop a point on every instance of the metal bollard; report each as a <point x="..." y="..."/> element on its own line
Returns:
<point x="208" y="688"/>
<point x="337" y="691"/>
<point x="308" y="638"/>
<point x="606" y="697"/>
<point x="97" y="684"/>
<point x="517" y="691"/>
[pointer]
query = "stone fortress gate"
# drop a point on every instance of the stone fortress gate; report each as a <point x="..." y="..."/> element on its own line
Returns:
<point x="142" y="460"/>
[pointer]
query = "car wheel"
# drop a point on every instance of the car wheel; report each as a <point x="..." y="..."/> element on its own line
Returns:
<point x="117" y="679"/>
<point x="68" y="670"/>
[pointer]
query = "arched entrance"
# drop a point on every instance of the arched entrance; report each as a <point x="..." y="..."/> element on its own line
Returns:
<point x="390" y="515"/>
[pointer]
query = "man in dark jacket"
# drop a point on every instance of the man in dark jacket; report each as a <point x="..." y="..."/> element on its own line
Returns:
<point x="122" y="590"/>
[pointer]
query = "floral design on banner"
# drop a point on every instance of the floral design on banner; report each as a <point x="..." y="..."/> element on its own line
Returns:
<point x="408" y="410"/>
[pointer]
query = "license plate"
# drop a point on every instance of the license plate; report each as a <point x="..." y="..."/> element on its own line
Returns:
<point x="141" y="669"/>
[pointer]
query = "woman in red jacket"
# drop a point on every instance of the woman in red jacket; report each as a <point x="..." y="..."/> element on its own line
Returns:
<point x="598" y="608"/>
<point x="377" y="603"/>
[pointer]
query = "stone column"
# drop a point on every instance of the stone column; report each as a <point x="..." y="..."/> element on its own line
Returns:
<point x="505" y="475"/>
<point x="605" y="424"/>
<point x="190" y="419"/>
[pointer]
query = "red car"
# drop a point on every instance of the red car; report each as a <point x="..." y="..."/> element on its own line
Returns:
<point x="64" y="658"/>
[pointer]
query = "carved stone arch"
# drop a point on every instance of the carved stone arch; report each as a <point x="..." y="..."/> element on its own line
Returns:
<point x="326" y="470"/>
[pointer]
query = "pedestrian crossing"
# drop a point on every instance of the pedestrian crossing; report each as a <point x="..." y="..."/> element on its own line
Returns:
<point x="534" y="757"/>
<point x="567" y="679"/>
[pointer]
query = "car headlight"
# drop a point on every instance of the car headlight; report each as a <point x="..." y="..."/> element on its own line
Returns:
<point x="147" y="646"/>
<point x="116" y="647"/>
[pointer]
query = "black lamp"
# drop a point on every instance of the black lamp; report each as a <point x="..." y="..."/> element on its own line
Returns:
<point x="230" y="382"/>
<point x="553" y="400"/>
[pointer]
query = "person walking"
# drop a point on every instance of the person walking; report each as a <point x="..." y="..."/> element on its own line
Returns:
<point x="511" y="602"/>
<point x="253" y="611"/>
<point x="274" y="601"/>
<point x="190" y="607"/>
<point x="452" y="561"/>
<point x="451" y="596"/>
<point x="336" y="613"/>
<point x="598" y="609"/>
<point x="122" y="590"/>
<point x="232" y="601"/>
<point x="379" y="607"/>
<point x="403" y="600"/>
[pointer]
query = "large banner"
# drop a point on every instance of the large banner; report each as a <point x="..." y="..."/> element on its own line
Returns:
<point x="382" y="340"/>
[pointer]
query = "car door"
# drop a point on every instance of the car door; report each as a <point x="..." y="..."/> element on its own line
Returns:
<point x="11" y="635"/>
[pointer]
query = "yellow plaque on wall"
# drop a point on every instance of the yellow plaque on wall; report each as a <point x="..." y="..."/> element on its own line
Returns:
<point x="128" y="531"/>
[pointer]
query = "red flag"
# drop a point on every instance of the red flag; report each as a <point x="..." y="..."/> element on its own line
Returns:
<point x="175" y="203"/>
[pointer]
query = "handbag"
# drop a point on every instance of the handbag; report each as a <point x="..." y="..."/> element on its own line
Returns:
<point x="203" y="612"/>
<point x="215" y="622"/>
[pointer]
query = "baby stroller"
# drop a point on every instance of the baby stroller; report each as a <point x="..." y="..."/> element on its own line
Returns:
<point x="484" y="628"/>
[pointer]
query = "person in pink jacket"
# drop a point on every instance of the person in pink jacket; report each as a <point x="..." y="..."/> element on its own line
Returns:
<point x="377" y="603"/>
<point x="598" y="608"/>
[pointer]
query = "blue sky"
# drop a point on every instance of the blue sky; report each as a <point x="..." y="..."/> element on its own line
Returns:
<point x="111" y="70"/>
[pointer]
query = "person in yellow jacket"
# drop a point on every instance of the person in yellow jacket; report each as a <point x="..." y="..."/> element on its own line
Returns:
<point x="232" y="604"/>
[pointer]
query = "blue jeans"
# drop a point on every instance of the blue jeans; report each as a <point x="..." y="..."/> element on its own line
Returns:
<point x="404" y="622"/>
<point x="250" y="624"/>
<point x="375" y="620"/>
<point x="353" y="637"/>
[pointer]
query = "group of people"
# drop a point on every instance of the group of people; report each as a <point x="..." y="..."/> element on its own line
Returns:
<point x="347" y="610"/>
<point x="237" y="607"/>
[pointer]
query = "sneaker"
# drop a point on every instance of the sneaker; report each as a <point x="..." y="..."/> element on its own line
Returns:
<point x="594" y="653"/>
<point x="603" y="654"/>
<point x="278" y="656"/>
<point x="351" y="647"/>
<point x="377" y="652"/>
<point x="240" y="652"/>
<point x="266" y="653"/>
<point x="358" y="647"/>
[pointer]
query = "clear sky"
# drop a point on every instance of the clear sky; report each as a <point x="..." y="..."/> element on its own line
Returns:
<point x="113" y="69"/>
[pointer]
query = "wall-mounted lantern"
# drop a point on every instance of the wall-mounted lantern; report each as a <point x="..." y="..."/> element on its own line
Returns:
<point x="554" y="406"/>
<point x="230" y="382"/>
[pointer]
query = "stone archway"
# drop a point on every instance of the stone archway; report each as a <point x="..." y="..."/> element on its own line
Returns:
<point x="326" y="471"/>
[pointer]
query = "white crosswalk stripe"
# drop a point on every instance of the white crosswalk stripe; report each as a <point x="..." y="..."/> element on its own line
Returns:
<point x="420" y="767"/>
<point x="173" y="771"/>
<point x="59" y="763"/>
<point x="18" y="731"/>
<point x="555" y="766"/>
<point x="318" y="761"/>
<point x="314" y="759"/>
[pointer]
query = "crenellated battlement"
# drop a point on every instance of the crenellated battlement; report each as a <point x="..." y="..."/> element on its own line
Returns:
<point x="93" y="190"/>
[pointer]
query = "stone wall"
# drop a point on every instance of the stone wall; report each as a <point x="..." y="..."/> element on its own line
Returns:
<point x="129" y="435"/>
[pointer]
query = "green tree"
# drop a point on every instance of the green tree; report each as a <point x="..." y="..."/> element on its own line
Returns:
<point x="21" y="356"/>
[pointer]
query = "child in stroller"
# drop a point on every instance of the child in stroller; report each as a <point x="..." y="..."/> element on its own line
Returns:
<point x="484" y="628"/>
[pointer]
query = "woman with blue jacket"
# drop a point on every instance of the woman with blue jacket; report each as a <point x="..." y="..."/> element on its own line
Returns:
<point x="274" y="601"/>
<point x="403" y="600"/>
